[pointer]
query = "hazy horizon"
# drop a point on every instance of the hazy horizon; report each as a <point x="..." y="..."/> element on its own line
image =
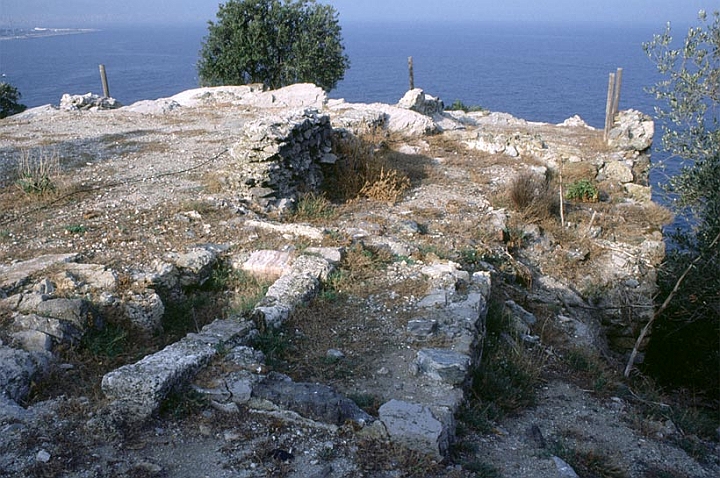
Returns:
<point x="106" y="13"/>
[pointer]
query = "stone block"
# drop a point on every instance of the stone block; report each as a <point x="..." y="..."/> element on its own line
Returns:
<point x="145" y="310"/>
<point x="618" y="172"/>
<point x="139" y="388"/>
<point x="17" y="369"/>
<point x="422" y="328"/>
<point x="62" y="330"/>
<point x="268" y="264"/>
<point x="443" y="365"/>
<point x="17" y="274"/>
<point x="195" y="266"/>
<point x="311" y="400"/>
<point x="414" y="426"/>
<point x="639" y="193"/>
<point x="33" y="340"/>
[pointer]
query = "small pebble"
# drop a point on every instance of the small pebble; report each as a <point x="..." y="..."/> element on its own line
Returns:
<point x="42" y="456"/>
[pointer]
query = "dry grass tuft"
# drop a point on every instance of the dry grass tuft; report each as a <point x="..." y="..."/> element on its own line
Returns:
<point x="533" y="196"/>
<point x="385" y="185"/>
<point x="362" y="172"/>
<point x="37" y="172"/>
<point x="572" y="172"/>
<point x="377" y="458"/>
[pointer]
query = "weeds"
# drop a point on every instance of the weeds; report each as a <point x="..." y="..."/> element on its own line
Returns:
<point x="458" y="105"/>
<point x="363" y="173"/>
<point x="37" y="172"/>
<point x="591" y="463"/>
<point x="388" y="185"/>
<point x="506" y="381"/>
<point x="375" y="457"/>
<point x="313" y="207"/>
<point x="274" y="343"/>
<point x="361" y="261"/>
<point x="591" y="370"/>
<point x="76" y="229"/>
<point x="582" y="190"/>
<point x="367" y="401"/>
<point x="109" y="342"/>
<point x="695" y="420"/>
<point x="182" y="403"/>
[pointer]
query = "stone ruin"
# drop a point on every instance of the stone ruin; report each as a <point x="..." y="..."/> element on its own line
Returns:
<point x="279" y="157"/>
<point x="420" y="417"/>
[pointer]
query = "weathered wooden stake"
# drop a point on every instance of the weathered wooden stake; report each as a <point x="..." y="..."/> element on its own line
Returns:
<point x="412" y="74"/>
<point x="609" y="119"/>
<point x="562" y="197"/>
<point x="613" y="100"/>
<point x="103" y="78"/>
<point x="616" y="92"/>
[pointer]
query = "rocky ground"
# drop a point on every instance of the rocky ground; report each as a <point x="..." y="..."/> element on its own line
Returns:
<point x="555" y="302"/>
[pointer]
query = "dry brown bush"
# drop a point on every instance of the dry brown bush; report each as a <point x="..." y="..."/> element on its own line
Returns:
<point x="533" y="196"/>
<point x="362" y="172"/>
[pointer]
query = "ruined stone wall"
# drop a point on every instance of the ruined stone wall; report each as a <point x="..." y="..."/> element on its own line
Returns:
<point x="278" y="157"/>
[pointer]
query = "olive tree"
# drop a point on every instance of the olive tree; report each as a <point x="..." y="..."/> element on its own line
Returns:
<point x="277" y="43"/>
<point x="9" y="100"/>
<point x="685" y="345"/>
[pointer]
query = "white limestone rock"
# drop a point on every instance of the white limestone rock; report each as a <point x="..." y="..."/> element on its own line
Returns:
<point x="414" y="426"/>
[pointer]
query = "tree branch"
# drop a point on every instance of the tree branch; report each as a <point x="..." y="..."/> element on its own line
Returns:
<point x="665" y="304"/>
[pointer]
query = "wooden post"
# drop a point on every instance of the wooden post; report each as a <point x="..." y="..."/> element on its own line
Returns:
<point x="562" y="196"/>
<point x="103" y="78"/>
<point x="609" y="105"/>
<point x="616" y="92"/>
<point x="412" y="74"/>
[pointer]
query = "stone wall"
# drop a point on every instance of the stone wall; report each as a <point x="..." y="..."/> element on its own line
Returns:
<point x="279" y="157"/>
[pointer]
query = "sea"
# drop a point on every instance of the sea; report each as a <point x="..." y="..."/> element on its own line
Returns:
<point x="539" y="72"/>
<point x="536" y="71"/>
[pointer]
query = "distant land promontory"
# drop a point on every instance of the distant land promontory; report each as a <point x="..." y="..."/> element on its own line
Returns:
<point x="39" y="32"/>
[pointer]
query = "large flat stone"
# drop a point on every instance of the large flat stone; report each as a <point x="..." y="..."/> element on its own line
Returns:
<point x="15" y="275"/>
<point x="443" y="365"/>
<point x="311" y="400"/>
<point x="414" y="426"/>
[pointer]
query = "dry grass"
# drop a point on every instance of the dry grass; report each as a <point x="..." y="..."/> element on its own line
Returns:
<point x="377" y="458"/>
<point x="534" y="196"/>
<point x="366" y="171"/>
<point x="385" y="185"/>
<point x="37" y="172"/>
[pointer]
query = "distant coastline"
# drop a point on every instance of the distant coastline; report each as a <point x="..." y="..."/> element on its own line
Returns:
<point x="40" y="32"/>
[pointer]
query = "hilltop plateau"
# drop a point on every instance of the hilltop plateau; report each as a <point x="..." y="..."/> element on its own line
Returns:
<point x="239" y="282"/>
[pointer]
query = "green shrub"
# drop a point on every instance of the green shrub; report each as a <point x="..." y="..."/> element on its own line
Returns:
<point x="582" y="190"/>
<point x="684" y="349"/>
<point x="275" y="43"/>
<point x="460" y="106"/>
<point x="9" y="100"/>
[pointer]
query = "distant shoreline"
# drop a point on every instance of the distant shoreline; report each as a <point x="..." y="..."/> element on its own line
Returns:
<point x="23" y="34"/>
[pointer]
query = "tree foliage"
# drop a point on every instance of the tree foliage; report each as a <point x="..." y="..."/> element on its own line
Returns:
<point x="9" y="100"/>
<point x="277" y="43"/>
<point x="685" y="347"/>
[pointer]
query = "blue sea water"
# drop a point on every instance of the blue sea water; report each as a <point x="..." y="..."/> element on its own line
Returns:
<point x="141" y="63"/>
<point x="540" y="72"/>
